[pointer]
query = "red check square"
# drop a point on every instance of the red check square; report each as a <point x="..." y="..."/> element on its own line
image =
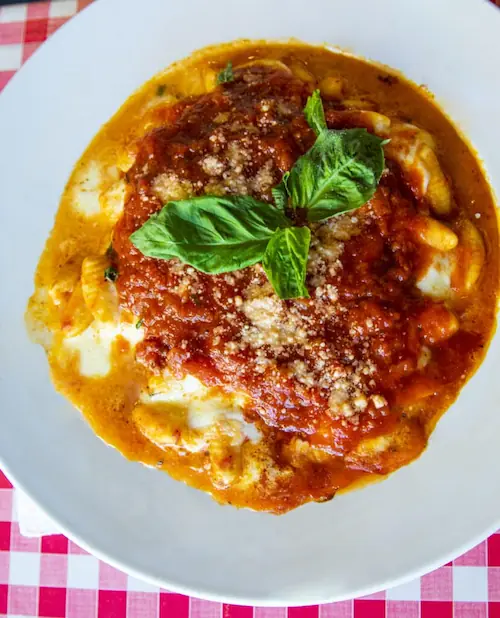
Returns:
<point x="54" y="544"/>
<point x="173" y="605"/>
<point x="35" y="31"/>
<point x="112" y="604"/>
<point x="494" y="550"/>
<point x="237" y="611"/>
<point x="52" y="602"/>
<point x="493" y="610"/>
<point x="436" y="609"/>
<point x="369" y="609"/>
<point x="4" y="481"/>
<point x="310" y="611"/>
<point x="5" y="529"/>
<point x="4" y="593"/>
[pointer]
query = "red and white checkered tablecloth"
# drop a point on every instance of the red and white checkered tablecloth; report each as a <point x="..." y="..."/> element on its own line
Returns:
<point x="54" y="578"/>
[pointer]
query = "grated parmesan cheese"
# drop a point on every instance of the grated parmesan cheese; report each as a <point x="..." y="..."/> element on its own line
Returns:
<point x="212" y="166"/>
<point x="282" y="340"/>
<point x="168" y="187"/>
<point x="271" y="324"/>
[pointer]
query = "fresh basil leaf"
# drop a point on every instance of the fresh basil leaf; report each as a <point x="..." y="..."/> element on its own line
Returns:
<point x="213" y="234"/>
<point x="285" y="261"/>
<point x="226" y="75"/>
<point x="339" y="173"/>
<point x="315" y="114"/>
<point x="280" y="193"/>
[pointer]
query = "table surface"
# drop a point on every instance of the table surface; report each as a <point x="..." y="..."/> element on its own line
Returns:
<point x="54" y="578"/>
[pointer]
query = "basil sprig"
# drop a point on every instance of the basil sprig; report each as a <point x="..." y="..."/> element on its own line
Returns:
<point x="213" y="234"/>
<point x="339" y="173"/>
<point x="221" y="234"/>
<point x="285" y="261"/>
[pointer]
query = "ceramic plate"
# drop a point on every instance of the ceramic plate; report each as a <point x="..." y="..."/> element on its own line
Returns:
<point x="138" y="519"/>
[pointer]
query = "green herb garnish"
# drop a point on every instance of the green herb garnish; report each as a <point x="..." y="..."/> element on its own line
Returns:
<point x="280" y="193"/>
<point x="139" y="323"/>
<point x="221" y="234"/>
<point x="226" y="75"/>
<point x="315" y="114"/>
<point x="160" y="90"/>
<point x="339" y="173"/>
<point x="285" y="261"/>
<point x="213" y="234"/>
<point x="111" y="274"/>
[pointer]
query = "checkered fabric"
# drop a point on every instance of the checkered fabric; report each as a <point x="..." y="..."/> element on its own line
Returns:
<point x="54" y="578"/>
<point x="24" y="27"/>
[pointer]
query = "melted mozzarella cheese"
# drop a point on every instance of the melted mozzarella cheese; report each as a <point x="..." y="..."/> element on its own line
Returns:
<point x="185" y="416"/>
<point x="204" y="410"/>
<point x="86" y="190"/>
<point x="98" y="189"/>
<point x="113" y="200"/>
<point x="94" y="345"/>
<point x="436" y="280"/>
<point x="424" y="358"/>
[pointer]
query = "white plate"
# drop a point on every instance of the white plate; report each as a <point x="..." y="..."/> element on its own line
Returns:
<point x="139" y="519"/>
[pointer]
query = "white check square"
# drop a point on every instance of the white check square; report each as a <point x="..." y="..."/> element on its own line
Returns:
<point x="83" y="572"/>
<point x="470" y="583"/>
<point x="24" y="568"/>
<point x="405" y="592"/>
<point x="17" y="12"/>
<point x="10" y="57"/>
<point x="62" y="8"/>
<point x="137" y="585"/>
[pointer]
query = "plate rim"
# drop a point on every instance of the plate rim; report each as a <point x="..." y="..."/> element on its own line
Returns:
<point x="206" y="594"/>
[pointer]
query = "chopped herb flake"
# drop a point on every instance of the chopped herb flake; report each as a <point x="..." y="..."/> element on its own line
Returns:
<point x="226" y="75"/>
<point x="111" y="274"/>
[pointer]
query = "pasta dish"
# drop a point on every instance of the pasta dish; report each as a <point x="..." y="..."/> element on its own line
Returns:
<point x="270" y="273"/>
